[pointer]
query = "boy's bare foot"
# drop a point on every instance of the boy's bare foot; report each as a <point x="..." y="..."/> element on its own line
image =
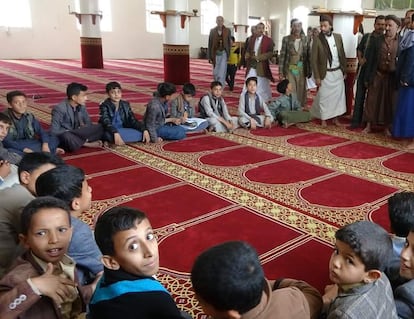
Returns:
<point x="387" y="132"/>
<point x="60" y="151"/>
<point x="94" y="144"/>
<point x="286" y="124"/>
<point x="409" y="146"/>
<point x="324" y="124"/>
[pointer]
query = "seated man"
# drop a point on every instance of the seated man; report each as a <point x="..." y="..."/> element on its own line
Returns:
<point x="71" y="122"/>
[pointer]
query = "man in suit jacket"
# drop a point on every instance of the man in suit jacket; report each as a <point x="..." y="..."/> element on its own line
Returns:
<point x="328" y="66"/>
<point x="259" y="52"/>
<point x="71" y="122"/>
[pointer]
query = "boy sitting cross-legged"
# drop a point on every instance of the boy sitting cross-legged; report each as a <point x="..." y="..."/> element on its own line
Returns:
<point x="286" y="109"/>
<point x="42" y="282"/>
<point x="25" y="134"/>
<point x="253" y="110"/>
<point x="360" y="289"/>
<point x="128" y="289"/>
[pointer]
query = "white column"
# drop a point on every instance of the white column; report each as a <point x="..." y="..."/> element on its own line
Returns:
<point x="344" y="24"/>
<point x="174" y="33"/>
<point x="176" y="41"/>
<point x="90" y="25"/>
<point x="241" y="16"/>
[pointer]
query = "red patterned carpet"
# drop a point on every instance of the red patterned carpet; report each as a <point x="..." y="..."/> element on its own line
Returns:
<point x="283" y="190"/>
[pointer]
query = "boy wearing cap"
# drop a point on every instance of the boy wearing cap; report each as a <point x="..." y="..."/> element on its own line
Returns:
<point x="286" y="109"/>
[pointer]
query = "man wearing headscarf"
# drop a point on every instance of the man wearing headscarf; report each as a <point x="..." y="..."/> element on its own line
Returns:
<point x="293" y="60"/>
<point x="328" y="63"/>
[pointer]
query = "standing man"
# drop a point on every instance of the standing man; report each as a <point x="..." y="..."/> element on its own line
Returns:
<point x="293" y="60"/>
<point x="328" y="65"/>
<point x="380" y="77"/>
<point x="259" y="52"/>
<point x="219" y="50"/>
<point x="246" y="45"/>
<point x="407" y="22"/>
<point x="379" y="27"/>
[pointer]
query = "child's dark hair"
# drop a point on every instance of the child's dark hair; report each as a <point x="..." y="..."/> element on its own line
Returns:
<point x="189" y="88"/>
<point x="12" y="94"/>
<point x="5" y="119"/>
<point x="215" y="83"/>
<point x="75" y="89"/>
<point x="282" y="86"/>
<point x="369" y="241"/>
<point x="112" y="85"/>
<point x="233" y="39"/>
<point x="401" y="213"/>
<point x="63" y="182"/>
<point x="112" y="221"/>
<point x="37" y="204"/>
<point x="252" y="78"/>
<point x="229" y="277"/>
<point x="32" y="161"/>
<point x="166" y="88"/>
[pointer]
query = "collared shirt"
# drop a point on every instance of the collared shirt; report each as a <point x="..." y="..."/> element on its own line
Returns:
<point x="334" y="51"/>
<point x="257" y="44"/>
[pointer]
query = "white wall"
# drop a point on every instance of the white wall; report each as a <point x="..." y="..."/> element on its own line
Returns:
<point x="53" y="35"/>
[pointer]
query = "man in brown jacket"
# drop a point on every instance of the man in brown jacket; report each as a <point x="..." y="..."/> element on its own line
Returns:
<point x="219" y="50"/>
<point x="229" y="282"/>
<point x="328" y="63"/>
<point x="258" y="54"/>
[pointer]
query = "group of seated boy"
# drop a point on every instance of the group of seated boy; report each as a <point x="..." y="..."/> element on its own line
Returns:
<point x="53" y="266"/>
<point x="168" y="116"/>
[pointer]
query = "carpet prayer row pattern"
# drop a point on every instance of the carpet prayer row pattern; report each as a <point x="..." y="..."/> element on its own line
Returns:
<point x="285" y="191"/>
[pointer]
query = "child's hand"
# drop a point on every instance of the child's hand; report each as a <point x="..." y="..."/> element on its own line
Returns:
<point x="45" y="147"/>
<point x="252" y="123"/>
<point x="267" y="122"/>
<point x="331" y="291"/>
<point x="96" y="280"/>
<point x="27" y="150"/>
<point x="229" y="125"/>
<point x="146" y="137"/>
<point x="55" y="287"/>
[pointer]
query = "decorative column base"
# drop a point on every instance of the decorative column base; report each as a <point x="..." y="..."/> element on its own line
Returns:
<point x="91" y="53"/>
<point x="176" y="63"/>
<point x="351" y="69"/>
